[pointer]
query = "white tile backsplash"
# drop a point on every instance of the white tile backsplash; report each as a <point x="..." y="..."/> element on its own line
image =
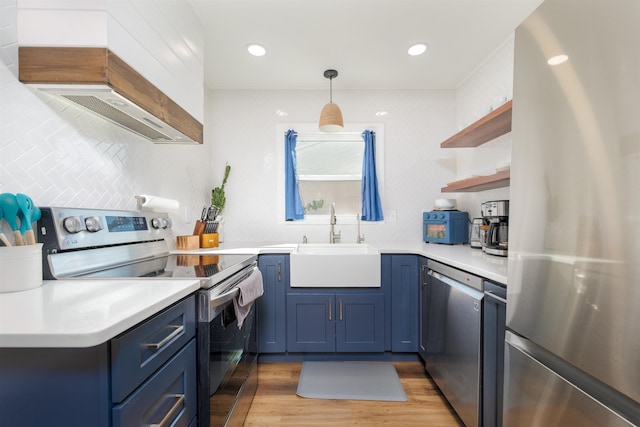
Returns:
<point x="63" y="156"/>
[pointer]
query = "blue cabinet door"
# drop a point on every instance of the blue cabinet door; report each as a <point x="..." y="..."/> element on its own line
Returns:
<point x="359" y="322"/>
<point x="311" y="318"/>
<point x="404" y="303"/>
<point x="342" y="322"/>
<point x="169" y="395"/>
<point x="271" y="312"/>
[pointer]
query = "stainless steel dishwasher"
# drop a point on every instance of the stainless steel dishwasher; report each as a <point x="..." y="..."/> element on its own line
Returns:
<point x="454" y="338"/>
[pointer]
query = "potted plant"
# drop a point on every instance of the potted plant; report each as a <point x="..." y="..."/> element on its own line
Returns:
<point x="218" y="198"/>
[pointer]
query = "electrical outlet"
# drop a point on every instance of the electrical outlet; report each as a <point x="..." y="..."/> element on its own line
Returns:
<point x="390" y="216"/>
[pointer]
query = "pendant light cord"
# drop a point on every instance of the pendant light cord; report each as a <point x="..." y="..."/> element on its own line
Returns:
<point x="331" y="90"/>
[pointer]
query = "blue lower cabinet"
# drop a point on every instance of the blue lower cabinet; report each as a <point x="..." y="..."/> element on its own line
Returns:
<point x="405" y="283"/>
<point x="360" y="323"/>
<point x="169" y="396"/>
<point x="329" y="322"/>
<point x="270" y="308"/>
<point x="311" y="325"/>
<point x="145" y="376"/>
<point x="55" y="387"/>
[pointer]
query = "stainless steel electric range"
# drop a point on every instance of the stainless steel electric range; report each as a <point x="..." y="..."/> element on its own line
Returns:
<point x="110" y="244"/>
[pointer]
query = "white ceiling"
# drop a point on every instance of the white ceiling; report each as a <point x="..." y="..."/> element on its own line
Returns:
<point x="365" y="40"/>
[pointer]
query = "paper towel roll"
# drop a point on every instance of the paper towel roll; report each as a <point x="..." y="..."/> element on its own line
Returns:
<point x="156" y="204"/>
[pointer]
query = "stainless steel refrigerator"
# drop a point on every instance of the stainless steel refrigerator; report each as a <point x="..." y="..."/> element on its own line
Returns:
<point x="572" y="353"/>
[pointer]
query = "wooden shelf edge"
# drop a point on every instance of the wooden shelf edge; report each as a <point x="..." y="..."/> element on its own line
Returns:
<point x="481" y="183"/>
<point x="491" y="126"/>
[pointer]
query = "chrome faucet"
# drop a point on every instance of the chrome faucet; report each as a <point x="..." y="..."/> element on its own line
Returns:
<point x="360" y="237"/>
<point x="333" y="236"/>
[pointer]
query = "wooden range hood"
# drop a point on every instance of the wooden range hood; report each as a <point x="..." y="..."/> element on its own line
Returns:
<point x="103" y="83"/>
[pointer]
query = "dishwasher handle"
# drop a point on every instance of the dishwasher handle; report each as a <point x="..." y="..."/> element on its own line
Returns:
<point x="457" y="285"/>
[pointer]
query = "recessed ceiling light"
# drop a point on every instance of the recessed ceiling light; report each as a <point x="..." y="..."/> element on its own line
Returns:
<point x="417" y="49"/>
<point x="256" y="49"/>
<point x="557" y="60"/>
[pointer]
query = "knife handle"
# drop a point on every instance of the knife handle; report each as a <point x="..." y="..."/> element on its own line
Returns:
<point x="199" y="228"/>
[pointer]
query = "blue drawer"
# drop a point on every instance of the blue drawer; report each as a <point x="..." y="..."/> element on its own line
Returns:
<point x="167" y="398"/>
<point x="139" y="352"/>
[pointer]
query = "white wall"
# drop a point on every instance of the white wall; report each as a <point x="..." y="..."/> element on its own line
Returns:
<point x="243" y="124"/>
<point x="474" y="97"/>
<point x="62" y="156"/>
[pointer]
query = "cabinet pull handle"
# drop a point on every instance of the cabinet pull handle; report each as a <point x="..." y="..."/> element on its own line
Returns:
<point x="424" y="268"/>
<point x="176" y="406"/>
<point x="340" y="309"/>
<point x="279" y="273"/>
<point x="330" y="309"/>
<point x="177" y="331"/>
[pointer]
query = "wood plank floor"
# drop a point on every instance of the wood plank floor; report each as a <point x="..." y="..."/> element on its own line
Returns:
<point x="276" y="402"/>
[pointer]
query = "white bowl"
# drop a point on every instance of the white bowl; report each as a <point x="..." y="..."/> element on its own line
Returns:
<point x="445" y="203"/>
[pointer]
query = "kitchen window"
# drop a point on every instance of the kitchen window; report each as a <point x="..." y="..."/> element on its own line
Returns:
<point x="329" y="170"/>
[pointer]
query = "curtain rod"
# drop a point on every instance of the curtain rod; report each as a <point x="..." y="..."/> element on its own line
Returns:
<point x="330" y="137"/>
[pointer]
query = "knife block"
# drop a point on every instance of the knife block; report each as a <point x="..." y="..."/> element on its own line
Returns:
<point x="209" y="240"/>
<point x="187" y="243"/>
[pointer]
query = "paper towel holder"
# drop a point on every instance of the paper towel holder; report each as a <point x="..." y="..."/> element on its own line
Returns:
<point x="139" y="201"/>
<point x="149" y="203"/>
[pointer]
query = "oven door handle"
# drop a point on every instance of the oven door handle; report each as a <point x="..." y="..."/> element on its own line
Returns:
<point x="211" y="304"/>
<point x="219" y="300"/>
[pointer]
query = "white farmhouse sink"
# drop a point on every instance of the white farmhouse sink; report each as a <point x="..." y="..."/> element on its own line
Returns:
<point x="335" y="265"/>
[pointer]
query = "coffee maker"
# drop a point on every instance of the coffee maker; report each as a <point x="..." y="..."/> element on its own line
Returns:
<point x="496" y="214"/>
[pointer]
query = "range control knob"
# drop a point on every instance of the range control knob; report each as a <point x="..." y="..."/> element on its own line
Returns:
<point x="72" y="224"/>
<point x="159" y="223"/>
<point x="93" y="224"/>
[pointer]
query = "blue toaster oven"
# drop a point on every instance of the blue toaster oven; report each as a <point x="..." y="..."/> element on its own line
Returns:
<point x="447" y="227"/>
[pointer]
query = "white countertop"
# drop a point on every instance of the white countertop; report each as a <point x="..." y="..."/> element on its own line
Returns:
<point x="460" y="256"/>
<point x="83" y="313"/>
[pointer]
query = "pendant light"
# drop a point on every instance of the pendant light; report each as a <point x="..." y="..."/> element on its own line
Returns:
<point x="331" y="116"/>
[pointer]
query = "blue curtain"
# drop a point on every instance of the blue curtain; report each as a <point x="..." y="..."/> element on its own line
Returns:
<point x="371" y="206"/>
<point x="293" y="203"/>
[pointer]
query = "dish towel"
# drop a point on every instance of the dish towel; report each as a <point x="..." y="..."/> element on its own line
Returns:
<point x="250" y="290"/>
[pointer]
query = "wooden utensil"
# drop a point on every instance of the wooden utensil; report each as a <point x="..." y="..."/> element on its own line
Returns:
<point x="3" y="238"/>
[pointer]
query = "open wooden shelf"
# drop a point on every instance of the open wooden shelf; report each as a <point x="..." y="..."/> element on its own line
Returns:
<point x="479" y="183"/>
<point x="491" y="126"/>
